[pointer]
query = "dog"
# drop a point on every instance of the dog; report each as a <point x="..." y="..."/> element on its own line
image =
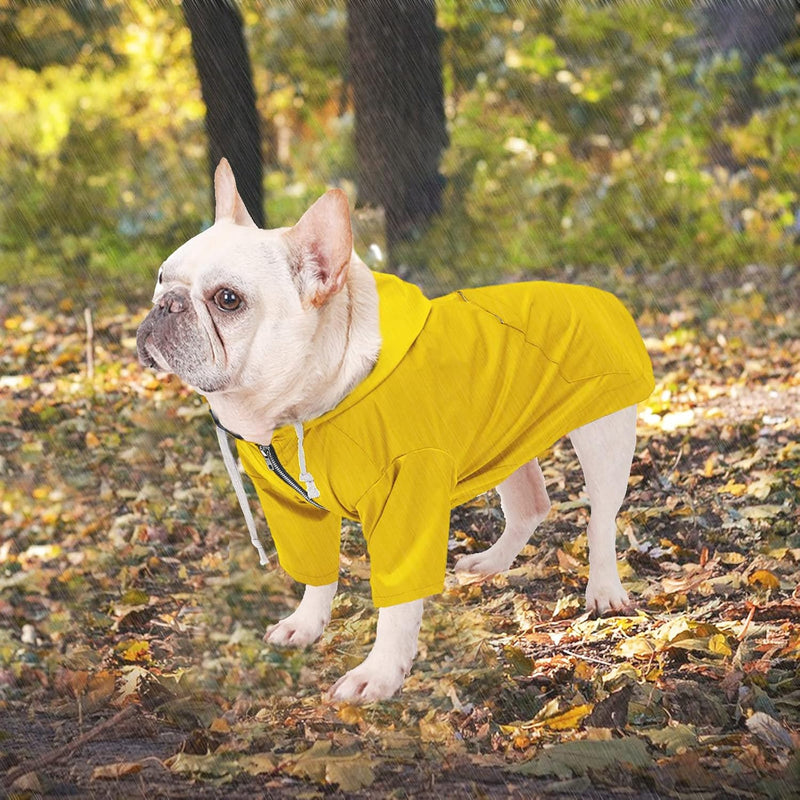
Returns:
<point x="350" y="394"/>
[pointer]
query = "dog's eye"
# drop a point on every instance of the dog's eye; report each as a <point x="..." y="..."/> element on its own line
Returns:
<point x="227" y="300"/>
<point x="161" y="275"/>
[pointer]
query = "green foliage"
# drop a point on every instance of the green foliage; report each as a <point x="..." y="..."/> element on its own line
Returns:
<point x="599" y="136"/>
<point x="581" y="135"/>
<point x="103" y="142"/>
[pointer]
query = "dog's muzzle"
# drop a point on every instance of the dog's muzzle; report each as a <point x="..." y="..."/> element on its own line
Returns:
<point x="174" y="302"/>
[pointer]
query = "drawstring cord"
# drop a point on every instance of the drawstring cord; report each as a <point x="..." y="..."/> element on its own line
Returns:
<point x="306" y="477"/>
<point x="238" y="487"/>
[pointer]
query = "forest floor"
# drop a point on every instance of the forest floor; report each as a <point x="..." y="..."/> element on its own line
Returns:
<point x="132" y="606"/>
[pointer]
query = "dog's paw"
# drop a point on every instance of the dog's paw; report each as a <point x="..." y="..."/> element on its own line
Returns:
<point x="489" y="562"/>
<point x="297" y="630"/>
<point x="368" y="683"/>
<point x="606" y="597"/>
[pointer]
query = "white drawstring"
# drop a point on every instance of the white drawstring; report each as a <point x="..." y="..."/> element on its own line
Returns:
<point x="306" y="477"/>
<point x="238" y="487"/>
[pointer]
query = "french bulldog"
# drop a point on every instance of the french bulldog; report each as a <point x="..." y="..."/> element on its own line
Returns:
<point x="397" y="407"/>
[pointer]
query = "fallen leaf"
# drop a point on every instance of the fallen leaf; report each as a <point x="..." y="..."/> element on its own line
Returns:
<point x="311" y="764"/>
<point x="434" y="728"/>
<point x="137" y="651"/>
<point x="258" y="763"/>
<point x="115" y="771"/>
<point x="572" y="759"/>
<point x="674" y="737"/>
<point x="760" y="512"/>
<point x="349" y="773"/>
<point x="734" y="488"/>
<point x="209" y="764"/>
<point x="638" y="646"/>
<point x="351" y="714"/>
<point x="28" y="783"/>
<point x="568" y="607"/>
<point x="611" y="711"/>
<point x="566" y="720"/>
<point x="769" y="731"/>
<point x="765" y="578"/>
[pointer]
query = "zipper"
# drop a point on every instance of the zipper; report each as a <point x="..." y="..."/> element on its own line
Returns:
<point x="274" y="464"/>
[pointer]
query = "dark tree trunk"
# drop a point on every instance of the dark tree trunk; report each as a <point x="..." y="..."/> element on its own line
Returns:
<point x="396" y="75"/>
<point x="226" y="81"/>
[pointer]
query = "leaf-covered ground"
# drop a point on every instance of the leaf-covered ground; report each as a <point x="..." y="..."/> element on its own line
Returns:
<point x="132" y="606"/>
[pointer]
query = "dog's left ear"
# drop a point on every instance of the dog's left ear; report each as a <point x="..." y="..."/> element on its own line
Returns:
<point x="227" y="200"/>
<point x="320" y="248"/>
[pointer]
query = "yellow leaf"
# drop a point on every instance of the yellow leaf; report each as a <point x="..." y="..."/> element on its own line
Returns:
<point x="584" y="671"/>
<point x="351" y="714"/>
<point x="736" y="489"/>
<point x="118" y="770"/>
<point x="635" y="647"/>
<point x="220" y="725"/>
<point x="137" y="651"/>
<point x="568" y="719"/>
<point x="731" y="558"/>
<point x="718" y="643"/>
<point x="765" y="578"/>
<point x="92" y="440"/>
<point x="434" y="729"/>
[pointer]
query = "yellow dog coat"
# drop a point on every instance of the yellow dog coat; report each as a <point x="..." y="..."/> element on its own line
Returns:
<point x="467" y="388"/>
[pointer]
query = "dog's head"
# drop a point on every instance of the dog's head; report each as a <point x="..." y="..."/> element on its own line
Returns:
<point x="236" y="305"/>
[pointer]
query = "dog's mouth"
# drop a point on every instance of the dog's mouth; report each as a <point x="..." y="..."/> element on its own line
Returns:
<point x="149" y="355"/>
<point x="146" y="359"/>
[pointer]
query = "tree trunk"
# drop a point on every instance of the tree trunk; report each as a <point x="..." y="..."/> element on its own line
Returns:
<point x="396" y="75"/>
<point x="226" y="81"/>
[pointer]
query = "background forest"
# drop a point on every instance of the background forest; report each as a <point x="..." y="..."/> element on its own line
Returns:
<point x="636" y="137"/>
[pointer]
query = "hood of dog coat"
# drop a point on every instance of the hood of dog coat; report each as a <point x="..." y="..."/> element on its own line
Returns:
<point x="403" y="310"/>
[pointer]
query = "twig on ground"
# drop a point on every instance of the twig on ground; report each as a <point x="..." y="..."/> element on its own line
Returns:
<point x="87" y="316"/>
<point x="33" y="764"/>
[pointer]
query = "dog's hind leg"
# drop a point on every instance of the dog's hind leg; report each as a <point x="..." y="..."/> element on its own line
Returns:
<point x="605" y="450"/>
<point x="523" y="497"/>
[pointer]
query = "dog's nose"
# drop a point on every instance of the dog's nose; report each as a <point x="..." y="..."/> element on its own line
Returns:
<point x="173" y="302"/>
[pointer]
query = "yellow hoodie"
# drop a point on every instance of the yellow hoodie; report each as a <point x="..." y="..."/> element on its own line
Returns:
<point x="467" y="388"/>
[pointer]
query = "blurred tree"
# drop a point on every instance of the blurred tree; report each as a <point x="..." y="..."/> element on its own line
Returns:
<point x="232" y="121"/>
<point x="396" y="75"/>
<point x="54" y="33"/>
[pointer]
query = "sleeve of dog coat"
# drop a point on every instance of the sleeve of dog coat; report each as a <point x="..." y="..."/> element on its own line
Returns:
<point x="405" y="517"/>
<point x="306" y="537"/>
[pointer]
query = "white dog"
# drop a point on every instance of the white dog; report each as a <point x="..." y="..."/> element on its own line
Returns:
<point x="391" y="409"/>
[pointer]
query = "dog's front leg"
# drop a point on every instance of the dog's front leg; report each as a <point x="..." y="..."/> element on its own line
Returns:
<point x="306" y="623"/>
<point x="382" y="673"/>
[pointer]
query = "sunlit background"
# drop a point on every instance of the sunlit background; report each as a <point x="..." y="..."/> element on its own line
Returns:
<point x="623" y="138"/>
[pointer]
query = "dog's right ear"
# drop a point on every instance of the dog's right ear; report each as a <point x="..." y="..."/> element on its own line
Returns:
<point x="227" y="200"/>
<point x="320" y="248"/>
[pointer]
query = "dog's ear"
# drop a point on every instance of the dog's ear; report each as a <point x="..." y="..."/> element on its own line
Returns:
<point x="228" y="202"/>
<point x="320" y="248"/>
